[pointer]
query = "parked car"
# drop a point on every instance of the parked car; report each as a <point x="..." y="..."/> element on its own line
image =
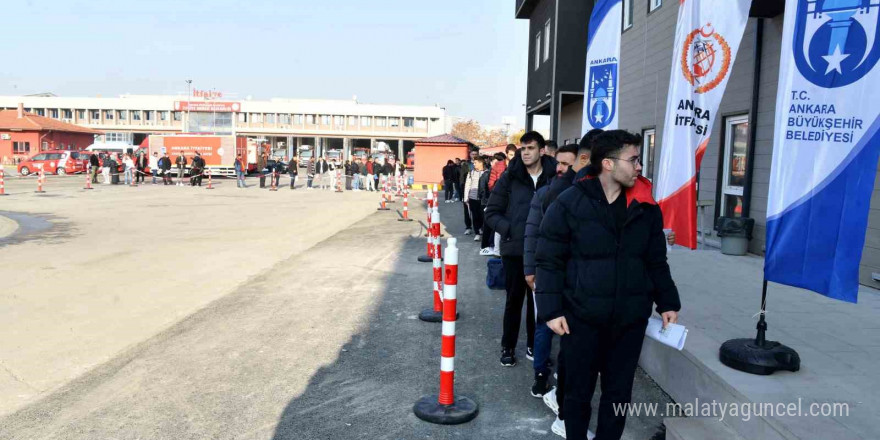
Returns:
<point x="58" y="162"/>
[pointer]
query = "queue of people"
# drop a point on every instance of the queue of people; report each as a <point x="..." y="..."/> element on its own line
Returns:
<point x="582" y="245"/>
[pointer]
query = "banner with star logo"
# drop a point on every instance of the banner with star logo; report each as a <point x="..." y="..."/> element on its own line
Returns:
<point x="603" y="53"/>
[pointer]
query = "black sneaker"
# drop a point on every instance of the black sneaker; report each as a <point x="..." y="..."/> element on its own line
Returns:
<point x="530" y="353"/>
<point x="508" y="359"/>
<point x="540" y="387"/>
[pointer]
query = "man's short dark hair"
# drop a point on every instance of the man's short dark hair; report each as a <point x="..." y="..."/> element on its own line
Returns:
<point x="510" y="147"/>
<point x="499" y="156"/>
<point x="533" y="136"/>
<point x="586" y="143"/>
<point x="608" y="144"/>
<point x="568" y="148"/>
<point x="552" y="144"/>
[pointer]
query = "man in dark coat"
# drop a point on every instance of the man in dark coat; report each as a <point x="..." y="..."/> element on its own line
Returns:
<point x="181" y="167"/>
<point x="448" y="182"/>
<point x="165" y="169"/>
<point x="506" y="213"/>
<point x="95" y="165"/>
<point x="601" y="263"/>
<point x="293" y="171"/>
<point x="198" y="167"/>
<point x="261" y="168"/>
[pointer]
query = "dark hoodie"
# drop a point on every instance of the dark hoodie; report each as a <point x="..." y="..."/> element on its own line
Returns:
<point x="599" y="274"/>
<point x="508" y="206"/>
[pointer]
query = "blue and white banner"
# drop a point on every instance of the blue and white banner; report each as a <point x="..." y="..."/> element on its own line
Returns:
<point x="826" y="145"/>
<point x="603" y="53"/>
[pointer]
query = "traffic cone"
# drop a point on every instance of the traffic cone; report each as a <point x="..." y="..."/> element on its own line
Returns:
<point x="445" y="408"/>
<point x="88" y="181"/>
<point x="40" y="182"/>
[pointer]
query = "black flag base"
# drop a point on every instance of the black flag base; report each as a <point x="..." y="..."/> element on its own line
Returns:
<point x="747" y="355"/>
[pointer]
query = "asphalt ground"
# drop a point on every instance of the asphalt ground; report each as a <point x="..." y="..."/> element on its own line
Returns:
<point x="323" y="343"/>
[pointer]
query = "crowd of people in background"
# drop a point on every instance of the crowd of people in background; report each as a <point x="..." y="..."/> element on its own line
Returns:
<point x="583" y="248"/>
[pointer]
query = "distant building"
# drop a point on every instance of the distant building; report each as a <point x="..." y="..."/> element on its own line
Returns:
<point x="24" y="134"/>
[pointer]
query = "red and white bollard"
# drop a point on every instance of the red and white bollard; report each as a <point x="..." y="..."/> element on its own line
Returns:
<point x="434" y="314"/>
<point x="210" y="185"/>
<point x="3" y="183"/>
<point x="405" y="217"/>
<point x="40" y="178"/>
<point x="382" y="201"/>
<point x="338" y="180"/>
<point x="445" y="408"/>
<point x="88" y="180"/>
<point x="436" y="197"/>
<point x="272" y="186"/>
<point x="428" y="257"/>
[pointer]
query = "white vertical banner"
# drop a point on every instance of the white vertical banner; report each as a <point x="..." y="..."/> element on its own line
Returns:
<point x="707" y="39"/>
<point x="603" y="53"/>
<point x="826" y="144"/>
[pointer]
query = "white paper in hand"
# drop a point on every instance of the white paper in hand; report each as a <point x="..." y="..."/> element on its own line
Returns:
<point x="674" y="335"/>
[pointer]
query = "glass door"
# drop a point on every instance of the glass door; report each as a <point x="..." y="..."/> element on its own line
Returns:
<point x="736" y="142"/>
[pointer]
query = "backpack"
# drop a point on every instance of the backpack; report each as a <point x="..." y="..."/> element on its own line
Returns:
<point x="494" y="274"/>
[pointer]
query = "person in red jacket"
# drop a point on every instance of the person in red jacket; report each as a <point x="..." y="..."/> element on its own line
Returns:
<point x="498" y="167"/>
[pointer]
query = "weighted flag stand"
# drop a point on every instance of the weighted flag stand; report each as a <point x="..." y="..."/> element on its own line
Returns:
<point x="759" y="356"/>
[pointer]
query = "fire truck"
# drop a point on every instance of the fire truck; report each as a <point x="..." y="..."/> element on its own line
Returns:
<point x="218" y="151"/>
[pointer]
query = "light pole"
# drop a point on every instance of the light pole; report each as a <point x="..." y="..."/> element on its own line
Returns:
<point x="188" y="99"/>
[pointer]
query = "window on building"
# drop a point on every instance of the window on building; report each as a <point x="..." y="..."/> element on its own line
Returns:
<point x="339" y="121"/>
<point x="538" y="51"/>
<point x="381" y="122"/>
<point x="270" y="118"/>
<point x="654" y="4"/>
<point x="40" y="111"/>
<point x="547" y="40"/>
<point x="148" y="115"/>
<point x="284" y="118"/>
<point x="121" y="114"/>
<point x="242" y="117"/>
<point x="648" y="142"/>
<point x="365" y="121"/>
<point x="80" y="114"/>
<point x="353" y="121"/>
<point x="67" y="113"/>
<point x="257" y="117"/>
<point x="422" y="123"/>
<point x="135" y="115"/>
<point x="21" y="147"/>
<point x="325" y="119"/>
<point x="176" y="116"/>
<point x="407" y="122"/>
<point x="394" y="122"/>
<point x="112" y="136"/>
<point x="53" y="113"/>
<point x="96" y="114"/>
<point x="108" y="114"/>
<point x="736" y="142"/>
<point x="298" y="119"/>
<point x="44" y="147"/>
<point x="310" y="119"/>
<point x="627" y="14"/>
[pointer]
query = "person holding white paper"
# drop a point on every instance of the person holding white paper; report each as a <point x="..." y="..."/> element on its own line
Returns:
<point x="601" y="263"/>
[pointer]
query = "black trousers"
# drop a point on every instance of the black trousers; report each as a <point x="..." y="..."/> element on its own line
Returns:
<point x="488" y="234"/>
<point x="612" y="350"/>
<point x="139" y="175"/>
<point x="292" y="180"/>
<point x="467" y="214"/>
<point x="476" y="212"/>
<point x="262" y="180"/>
<point x="517" y="291"/>
<point x="277" y="180"/>
<point x="449" y="190"/>
<point x="560" y="382"/>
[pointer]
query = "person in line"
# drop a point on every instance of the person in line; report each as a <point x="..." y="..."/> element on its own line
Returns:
<point x="510" y="151"/>
<point x="141" y="163"/>
<point x="456" y="176"/>
<point x="95" y="165"/>
<point x="154" y="167"/>
<point x="465" y="167"/>
<point x="196" y="170"/>
<point x="262" y="162"/>
<point x="293" y="171"/>
<point x="506" y="213"/>
<point x="448" y="182"/>
<point x="355" y="176"/>
<point x="332" y="166"/>
<point x="552" y="148"/>
<point x="322" y="168"/>
<point x="239" y="172"/>
<point x="488" y="234"/>
<point x="129" y="168"/>
<point x="371" y="169"/>
<point x="311" y="169"/>
<point x="608" y="229"/>
<point x="165" y="169"/>
<point x="500" y="165"/>
<point x="181" y="167"/>
<point x="278" y="169"/>
<point x="472" y="192"/>
<point x="388" y="172"/>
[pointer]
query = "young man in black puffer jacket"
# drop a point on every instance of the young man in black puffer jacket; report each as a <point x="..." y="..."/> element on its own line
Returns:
<point x="506" y="214"/>
<point x="601" y="263"/>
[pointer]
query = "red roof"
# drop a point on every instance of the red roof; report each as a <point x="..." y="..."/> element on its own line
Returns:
<point x="442" y="139"/>
<point x="9" y="120"/>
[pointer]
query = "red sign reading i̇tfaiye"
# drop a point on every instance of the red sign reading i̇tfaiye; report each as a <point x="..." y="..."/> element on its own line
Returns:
<point x="207" y="106"/>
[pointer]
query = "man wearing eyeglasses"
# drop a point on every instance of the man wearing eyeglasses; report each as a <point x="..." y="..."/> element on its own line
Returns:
<point x="601" y="262"/>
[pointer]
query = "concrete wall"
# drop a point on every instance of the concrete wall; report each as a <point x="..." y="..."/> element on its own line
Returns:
<point x="570" y="121"/>
<point x="430" y="160"/>
<point x="646" y="61"/>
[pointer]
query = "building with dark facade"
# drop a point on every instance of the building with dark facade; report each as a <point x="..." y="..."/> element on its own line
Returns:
<point x="735" y="174"/>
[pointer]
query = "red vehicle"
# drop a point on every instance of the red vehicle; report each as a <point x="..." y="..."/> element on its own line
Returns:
<point x="58" y="162"/>
<point x="410" y="160"/>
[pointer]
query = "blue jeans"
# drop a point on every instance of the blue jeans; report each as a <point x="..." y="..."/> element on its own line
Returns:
<point x="128" y="176"/>
<point x="543" y="343"/>
<point x="239" y="179"/>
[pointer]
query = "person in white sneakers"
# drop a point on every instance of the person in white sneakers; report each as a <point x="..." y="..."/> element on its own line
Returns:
<point x="471" y="193"/>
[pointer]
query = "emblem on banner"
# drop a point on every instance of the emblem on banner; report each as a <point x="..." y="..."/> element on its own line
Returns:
<point x="835" y="41"/>
<point x="602" y="93"/>
<point x="705" y="58"/>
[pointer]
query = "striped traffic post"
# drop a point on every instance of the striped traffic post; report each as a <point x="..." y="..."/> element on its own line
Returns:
<point x="2" y="183"/>
<point x="405" y="217"/>
<point x="88" y="179"/>
<point x="434" y="314"/>
<point x="445" y="408"/>
<point x="428" y="257"/>
<point x="40" y="182"/>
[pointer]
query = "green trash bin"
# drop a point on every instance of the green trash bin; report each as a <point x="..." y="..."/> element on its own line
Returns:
<point x="735" y="233"/>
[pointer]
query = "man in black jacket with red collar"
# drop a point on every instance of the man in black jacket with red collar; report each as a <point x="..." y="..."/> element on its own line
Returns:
<point x="601" y="262"/>
<point x="506" y="214"/>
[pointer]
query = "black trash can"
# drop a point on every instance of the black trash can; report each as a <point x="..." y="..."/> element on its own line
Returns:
<point x="735" y="233"/>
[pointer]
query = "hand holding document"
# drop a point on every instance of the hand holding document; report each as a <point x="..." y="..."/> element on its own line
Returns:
<point x="674" y="335"/>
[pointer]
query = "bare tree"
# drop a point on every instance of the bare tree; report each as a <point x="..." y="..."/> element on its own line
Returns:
<point x="469" y="130"/>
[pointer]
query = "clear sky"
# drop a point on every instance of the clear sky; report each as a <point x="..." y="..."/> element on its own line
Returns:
<point x="469" y="56"/>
